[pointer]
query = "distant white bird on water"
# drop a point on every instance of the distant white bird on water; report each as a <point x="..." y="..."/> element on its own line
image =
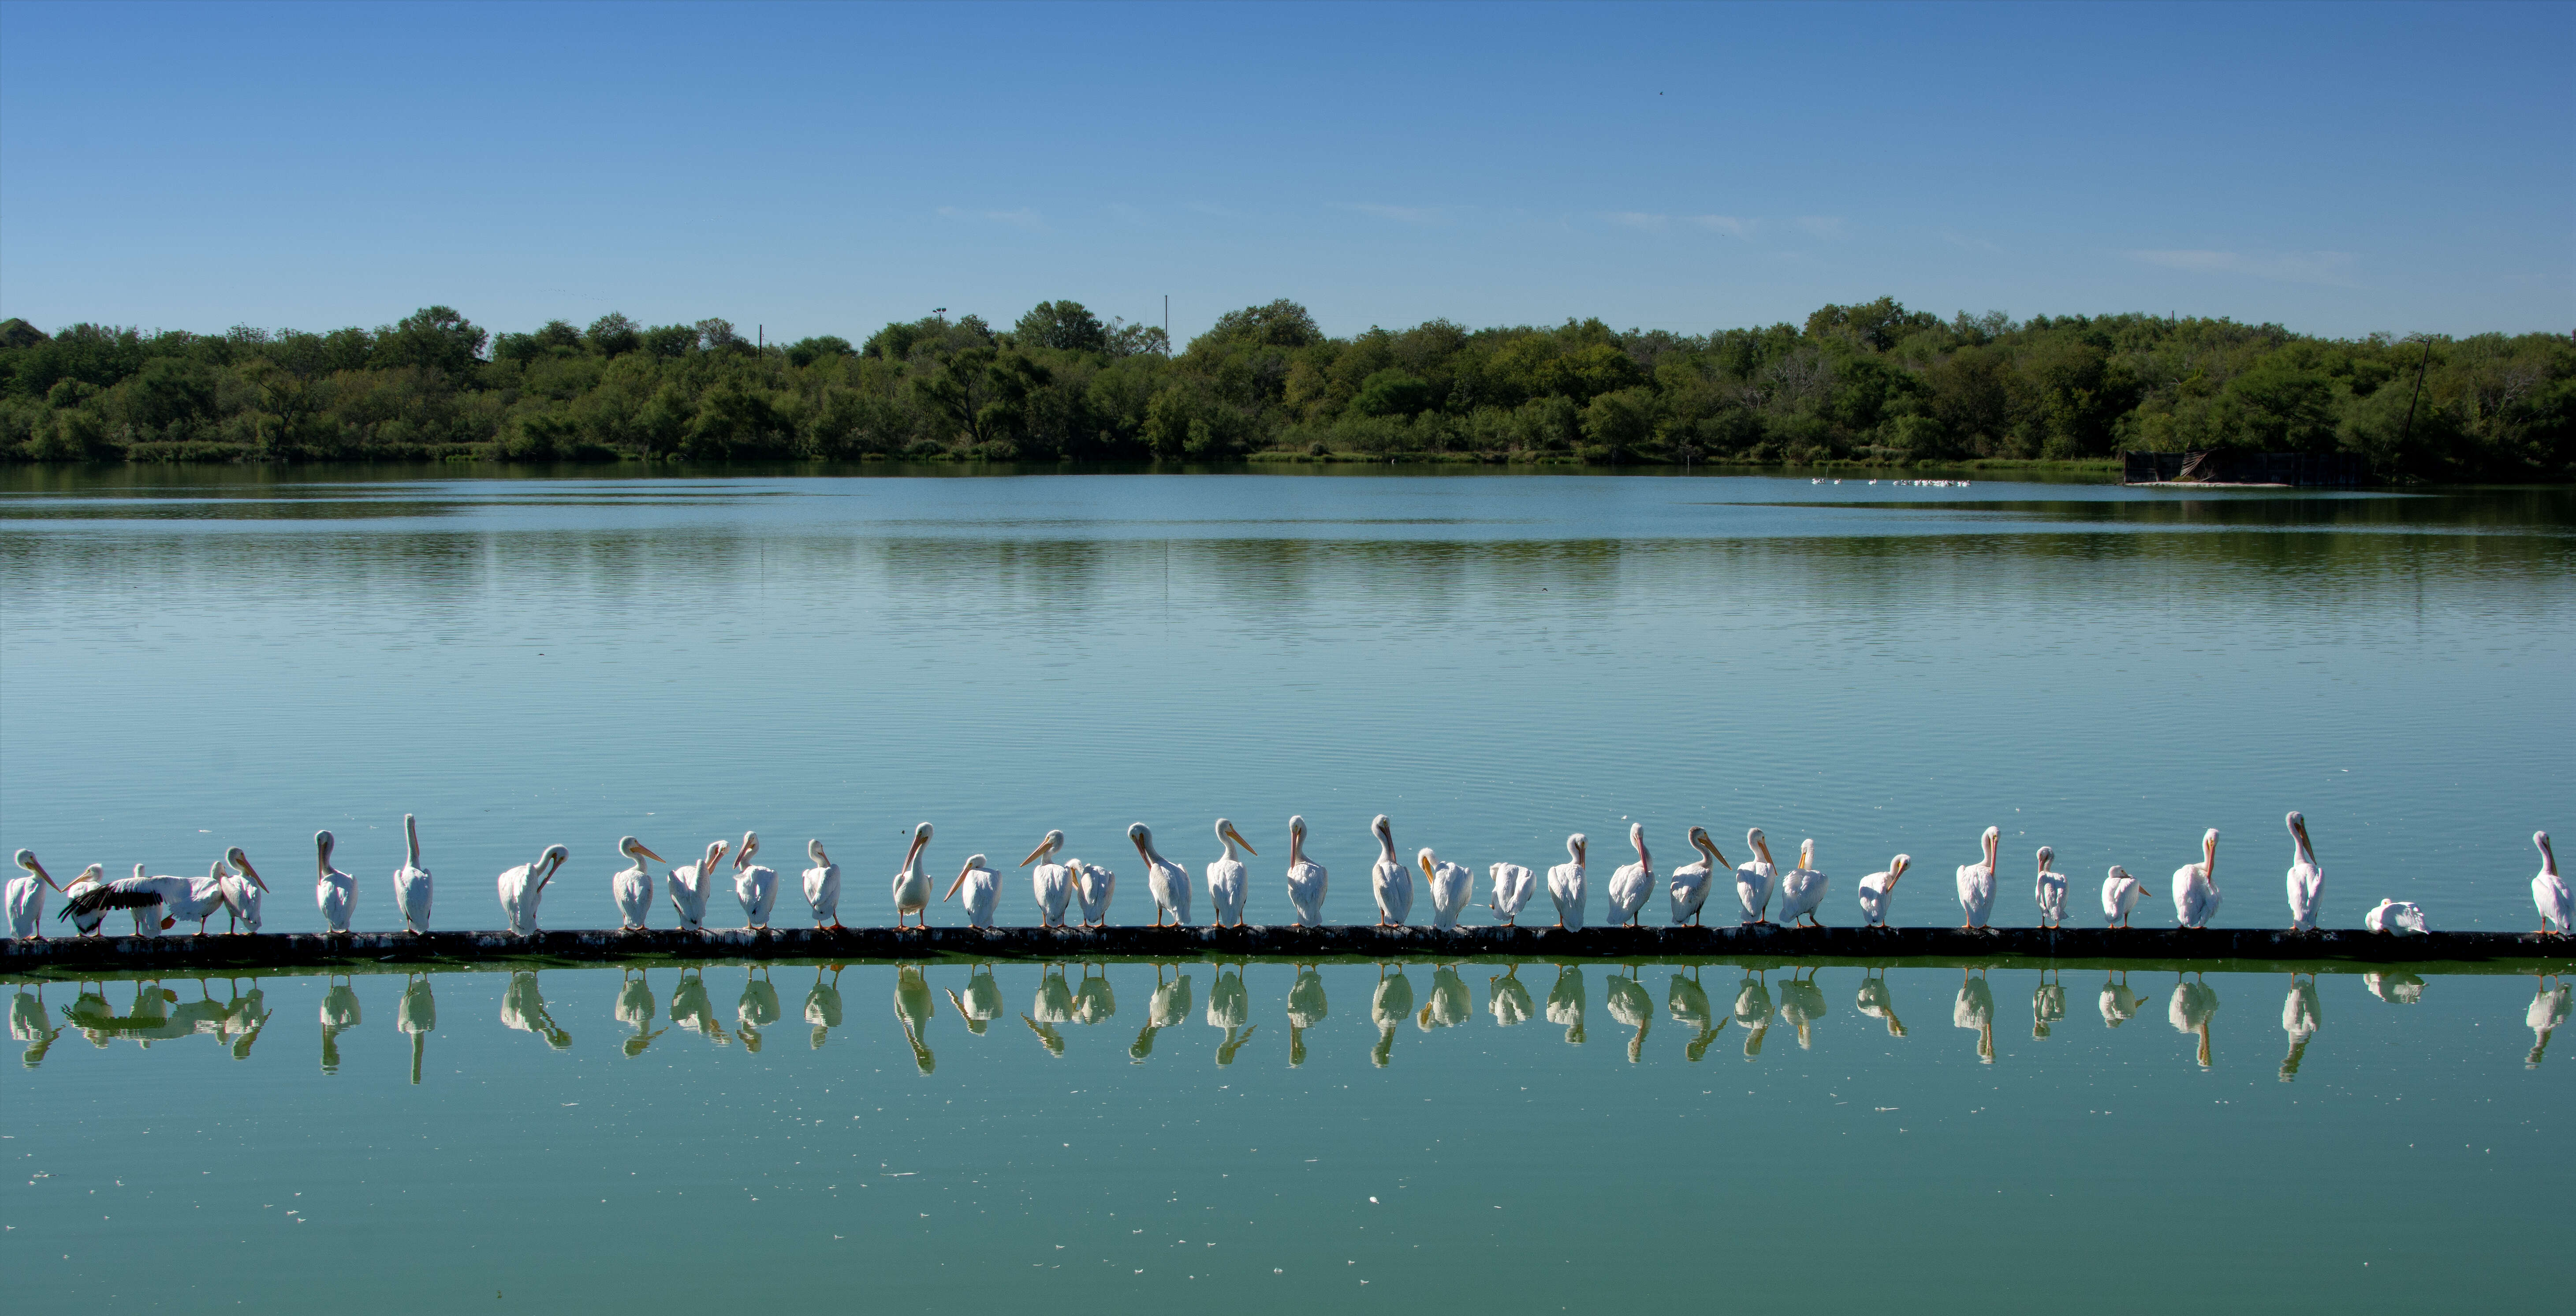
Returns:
<point x="911" y="885"/>
<point x="2307" y="882"/>
<point x="412" y="882"/>
<point x="1049" y="881"/>
<point x="1802" y="889"/>
<point x="690" y="885"/>
<point x="2120" y="894"/>
<point x="1630" y="884"/>
<point x="2395" y="916"/>
<point x="2549" y="890"/>
<point x="523" y="886"/>
<point x="1756" y="878"/>
<point x="755" y="887"/>
<point x="1878" y="891"/>
<point x="1688" y="885"/>
<point x="1390" y="881"/>
<point x="822" y="886"/>
<point x="27" y="898"/>
<point x="1565" y="884"/>
<point x="1510" y="888"/>
<point x="1228" y="880"/>
<point x="983" y="891"/>
<point x="2050" y="890"/>
<point x="334" y="891"/>
<point x="1167" y="881"/>
<point x="2195" y="886"/>
<point x="1451" y="886"/>
<point x="1977" y="882"/>
<point x="632" y="886"/>
<point x="1307" y="880"/>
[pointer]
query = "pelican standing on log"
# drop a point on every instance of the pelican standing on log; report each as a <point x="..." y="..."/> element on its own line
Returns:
<point x="27" y="898"/>
<point x="1512" y="885"/>
<point x="912" y="885"/>
<point x="243" y="890"/>
<point x="1565" y="884"/>
<point x="1389" y="879"/>
<point x="85" y="922"/>
<point x="2395" y="916"/>
<point x="1755" y="878"/>
<point x="2307" y="882"/>
<point x="1802" y="888"/>
<point x="689" y="885"/>
<point x="632" y="886"/>
<point x="2548" y="891"/>
<point x="2050" y="890"/>
<point x="1168" y="882"/>
<point x="1977" y="882"/>
<point x="983" y="891"/>
<point x="755" y="887"/>
<point x="1451" y="886"/>
<point x="202" y="898"/>
<point x="525" y="885"/>
<point x="1878" y="891"/>
<point x="1630" y="884"/>
<point x="1093" y="885"/>
<point x="1307" y="880"/>
<point x="2120" y="894"/>
<point x="411" y="882"/>
<point x="2195" y="886"/>
<point x="822" y="886"/>
<point x="334" y="891"/>
<point x="1690" y="882"/>
<point x="1049" y="881"/>
<point x="1228" y="880"/>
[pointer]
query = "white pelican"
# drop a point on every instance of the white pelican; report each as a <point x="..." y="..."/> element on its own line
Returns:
<point x="2050" y="890"/>
<point x="202" y="898"/>
<point x="1565" y="884"/>
<point x="27" y="898"/>
<point x="1631" y="883"/>
<point x="1977" y="883"/>
<point x="983" y="891"/>
<point x="1306" y="878"/>
<point x="1512" y="885"/>
<point x="334" y="891"/>
<point x="1389" y="880"/>
<point x="411" y="882"/>
<point x="1093" y="885"/>
<point x="2195" y="886"/>
<point x="153" y="899"/>
<point x="755" y="887"/>
<point x="1689" y="883"/>
<point x="1451" y="887"/>
<point x="1878" y="890"/>
<point x="911" y="885"/>
<point x="1803" y="888"/>
<point x="632" y="886"/>
<point x="85" y="921"/>
<point x="2548" y="891"/>
<point x="689" y="885"/>
<point x="1755" y="878"/>
<point x="2307" y="881"/>
<point x="524" y="885"/>
<point x="2120" y="894"/>
<point x="822" y="886"/>
<point x="2395" y="916"/>
<point x="1227" y="878"/>
<point x="1168" y="882"/>
<point x="1050" y="882"/>
<point x="243" y="890"/>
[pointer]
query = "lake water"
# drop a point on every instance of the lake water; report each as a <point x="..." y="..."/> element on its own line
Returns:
<point x="238" y="658"/>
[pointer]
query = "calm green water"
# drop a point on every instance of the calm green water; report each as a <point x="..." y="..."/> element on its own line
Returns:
<point x="238" y="659"/>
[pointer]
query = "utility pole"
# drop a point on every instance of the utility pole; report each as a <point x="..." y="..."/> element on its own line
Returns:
<point x="1167" y="326"/>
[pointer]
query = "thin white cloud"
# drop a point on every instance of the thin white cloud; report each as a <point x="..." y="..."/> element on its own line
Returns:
<point x="1958" y="239"/>
<point x="1822" y="226"/>
<point x="1400" y="214"/>
<point x="2330" y="268"/>
<point x="1726" y="224"/>
<point x="1638" y="219"/>
<point x="1024" y="217"/>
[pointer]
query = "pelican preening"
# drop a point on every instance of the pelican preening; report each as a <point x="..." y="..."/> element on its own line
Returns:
<point x="1093" y="885"/>
<point x="2120" y="894"/>
<point x="1451" y="887"/>
<point x="1511" y="886"/>
<point x="1565" y="884"/>
<point x="1228" y="880"/>
<point x="1630" y="884"/>
<point x="983" y="891"/>
<point x="690" y="884"/>
<point x="2195" y="886"/>
<point x="2307" y="881"/>
<point x="911" y="884"/>
<point x="2395" y="916"/>
<point x="2050" y="890"/>
<point x="411" y="881"/>
<point x="1977" y="882"/>
<point x="1689" y="883"/>
<point x="822" y="886"/>
<point x="1389" y="880"/>
<point x="242" y="890"/>
<point x="1755" y="878"/>
<point x="755" y="888"/>
<point x="335" y="892"/>
<point x="524" y="885"/>
<point x="632" y="886"/>
<point x="1307" y="880"/>
<point x="2548" y="890"/>
<point x="1168" y="882"/>
<point x="1878" y="891"/>
<point x="1049" y="881"/>
<point x="1803" y="888"/>
<point x="27" y="898"/>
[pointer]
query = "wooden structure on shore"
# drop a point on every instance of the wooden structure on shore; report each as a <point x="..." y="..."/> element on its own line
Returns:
<point x="2291" y="470"/>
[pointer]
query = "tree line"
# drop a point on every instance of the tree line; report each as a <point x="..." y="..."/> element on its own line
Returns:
<point x="1871" y="383"/>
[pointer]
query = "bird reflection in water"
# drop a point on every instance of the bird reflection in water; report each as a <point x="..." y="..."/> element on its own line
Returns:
<point x="1230" y="1008"/>
<point x="2300" y="1017"/>
<point x="2047" y="1004"/>
<point x="1392" y="1005"/>
<point x="635" y="1009"/>
<point x="30" y="1025"/>
<point x="2548" y="1010"/>
<point x="1450" y="1005"/>
<point x="339" y="1014"/>
<point x="1802" y="1003"/>
<point x="1687" y="1002"/>
<point x="1305" y="1010"/>
<point x="2189" y="1009"/>
<point x="243" y="1017"/>
<point x="523" y="1007"/>
<point x="1877" y="1002"/>
<point x="1565" y="1002"/>
<point x="2119" y="1004"/>
<point x="1753" y="1011"/>
<point x="756" y="1008"/>
<point x="417" y="1015"/>
<point x="1507" y="999"/>
<point x="982" y="1003"/>
<point x="1169" y="1005"/>
<point x="690" y="1008"/>
<point x="1054" y="1005"/>
<point x="1975" y="1009"/>
<point x="914" y="1010"/>
<point x="1633" y="1008"/>
<point x="1093" y="1002"/>
<point x="823" y="1003"/>
<point x="2395" y="986"/>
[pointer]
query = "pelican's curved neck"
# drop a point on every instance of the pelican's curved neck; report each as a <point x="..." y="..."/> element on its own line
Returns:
<point x="1296" y="848"/>
<point x="411" y="840"/>
<point x="322" y="858"/>
<point x="1227" y="841"/>
<point x="1386" y="847"/>
<point x="2548" y="859"/>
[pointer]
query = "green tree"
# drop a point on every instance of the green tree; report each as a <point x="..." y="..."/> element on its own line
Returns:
<point x="1063" y="326"/>
<point x="431" y="338"/>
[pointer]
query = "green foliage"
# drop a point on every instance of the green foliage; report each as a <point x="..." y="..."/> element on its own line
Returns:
<point x="1866" y="382"/>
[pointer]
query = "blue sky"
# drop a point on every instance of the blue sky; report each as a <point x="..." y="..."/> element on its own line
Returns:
<point x="822" y="169"/>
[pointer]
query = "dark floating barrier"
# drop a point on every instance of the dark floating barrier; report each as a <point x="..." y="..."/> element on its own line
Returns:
<point x="1364" y="942"/>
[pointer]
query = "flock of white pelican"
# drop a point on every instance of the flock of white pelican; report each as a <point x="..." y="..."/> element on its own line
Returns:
<point x="1066" y="887"/>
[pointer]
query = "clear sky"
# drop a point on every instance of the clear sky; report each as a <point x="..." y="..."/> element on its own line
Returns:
<point x="821" y="169"/>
